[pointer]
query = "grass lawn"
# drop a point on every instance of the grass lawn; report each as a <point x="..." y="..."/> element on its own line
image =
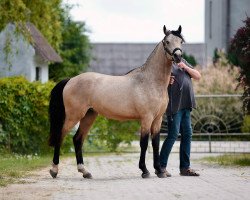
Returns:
<point x="13" y="167"/>
<point x="229" y="159"/>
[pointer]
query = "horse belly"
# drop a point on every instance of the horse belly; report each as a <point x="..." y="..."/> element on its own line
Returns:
<point x="117" y="112"/>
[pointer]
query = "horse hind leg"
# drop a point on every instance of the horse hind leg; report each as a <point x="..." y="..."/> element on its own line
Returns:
<point x="67" y="126"/>
<point x="78" y="139"/>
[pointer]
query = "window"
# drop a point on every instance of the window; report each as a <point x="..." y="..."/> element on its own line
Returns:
<point x="38" y="73"/>
<point x="210" y="19"/>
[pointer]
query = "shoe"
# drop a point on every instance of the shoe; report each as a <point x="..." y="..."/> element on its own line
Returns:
<point x="166" y="172"/>
<point x="188" y="172"/>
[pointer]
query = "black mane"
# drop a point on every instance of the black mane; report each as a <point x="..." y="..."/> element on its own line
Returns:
<point x="178" y="34"/>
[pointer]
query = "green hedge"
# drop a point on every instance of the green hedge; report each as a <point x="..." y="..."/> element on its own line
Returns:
<point x="24" y="115"/>
<point x="107" y="134"/>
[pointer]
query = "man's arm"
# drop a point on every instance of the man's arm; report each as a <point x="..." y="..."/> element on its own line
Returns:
<point x="195" y="74"/>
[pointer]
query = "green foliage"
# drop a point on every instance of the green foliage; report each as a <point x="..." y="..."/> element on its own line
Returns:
<point x="52" y="18"/>
<point x="111" y="133"/>
<point x="220" y="58"/>
<point x="190" y="59"/>
<point x="216" y="56"/>
<point x="44" y="14"/>
<point x="74" y="51"/>
<point x="239" y="52"/>
<point x="246" y="124"/>
<point x="229" y="160"/>
<point x="24" y="115"/>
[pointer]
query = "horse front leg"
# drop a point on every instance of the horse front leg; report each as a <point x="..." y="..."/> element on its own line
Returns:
<point x="156" y="144"/>
<point x="155" y="130"/>
<point x="144" y="146"/>
<point x="85" y="124"/>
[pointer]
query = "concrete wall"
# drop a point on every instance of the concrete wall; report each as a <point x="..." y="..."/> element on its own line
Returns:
<point x="119" y="58"/>
<point x="22" y="60"/>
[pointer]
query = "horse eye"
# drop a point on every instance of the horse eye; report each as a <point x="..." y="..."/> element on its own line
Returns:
<point x="167" y="42"/>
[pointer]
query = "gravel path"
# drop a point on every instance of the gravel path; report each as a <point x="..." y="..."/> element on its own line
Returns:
<point x="118" y="177"/>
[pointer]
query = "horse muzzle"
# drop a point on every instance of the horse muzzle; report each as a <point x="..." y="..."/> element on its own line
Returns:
<point x="177" y="55"/>
<point x="177" y="58"/>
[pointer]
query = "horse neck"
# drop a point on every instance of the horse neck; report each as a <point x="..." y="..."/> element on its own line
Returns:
<point x="158" y="65"/>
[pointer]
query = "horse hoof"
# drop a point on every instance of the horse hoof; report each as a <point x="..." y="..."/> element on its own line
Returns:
<point x="145" y="175"/>
<point x="161" y="175"/>
<point x="87" y="175"/>
<point x="53" y="174"/>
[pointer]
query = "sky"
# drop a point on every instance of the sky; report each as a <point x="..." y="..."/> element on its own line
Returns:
<point x="139" y="21"/>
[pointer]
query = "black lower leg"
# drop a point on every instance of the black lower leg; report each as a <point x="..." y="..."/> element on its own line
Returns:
<point x="155" y="145"/>
<point x="144" y="146"/>
<point x="56" y="154"/>
<point x="77" y="139"/>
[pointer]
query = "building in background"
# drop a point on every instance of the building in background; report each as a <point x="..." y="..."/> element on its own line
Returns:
<point x="222" y="19"/>
<point x="28" y="59"/>
<point x="119" y="58"/>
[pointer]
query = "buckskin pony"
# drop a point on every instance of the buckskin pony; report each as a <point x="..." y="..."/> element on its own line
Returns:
<point x="138" y="95"/>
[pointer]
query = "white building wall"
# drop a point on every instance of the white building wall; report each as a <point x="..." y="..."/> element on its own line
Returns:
<point x="23" y="59"/>
<point x="44" y="73"/>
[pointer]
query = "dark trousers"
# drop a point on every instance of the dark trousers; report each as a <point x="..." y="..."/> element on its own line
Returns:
<point x="180" y="123"/>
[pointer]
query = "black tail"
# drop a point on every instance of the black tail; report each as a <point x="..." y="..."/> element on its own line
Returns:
<point x="56" y="113"/>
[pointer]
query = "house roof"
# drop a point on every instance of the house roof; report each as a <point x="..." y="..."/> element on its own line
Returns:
<point x="41" y="45"/>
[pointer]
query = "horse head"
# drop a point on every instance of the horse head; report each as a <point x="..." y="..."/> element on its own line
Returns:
<point x="172" y="43"/>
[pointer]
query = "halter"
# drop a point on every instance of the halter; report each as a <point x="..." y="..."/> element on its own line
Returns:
<point x="167" y="51"/>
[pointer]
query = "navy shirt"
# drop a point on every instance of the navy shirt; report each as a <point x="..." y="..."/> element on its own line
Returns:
<point x="181" y="93"/>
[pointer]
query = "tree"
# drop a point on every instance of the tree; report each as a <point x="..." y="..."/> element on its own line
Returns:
<point x="52" y="18"/>
<point x="74" y="51"/>
<point x="44" y="14"/>
<point x="239" y="54"/>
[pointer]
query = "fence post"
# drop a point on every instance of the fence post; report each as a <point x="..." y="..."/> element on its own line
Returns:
<point x="210" y="148"/>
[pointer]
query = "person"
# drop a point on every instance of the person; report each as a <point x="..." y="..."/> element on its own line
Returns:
<point x="181" y="103"/>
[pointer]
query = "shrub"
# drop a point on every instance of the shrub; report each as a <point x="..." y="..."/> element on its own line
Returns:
<point x="239" y="54"/>
<point x="24" y="115"/>
<point x="218" y="80"/>
<point x="246" y="124"/>
<point x="190" y="59"/>
<point x="111" y="133"/>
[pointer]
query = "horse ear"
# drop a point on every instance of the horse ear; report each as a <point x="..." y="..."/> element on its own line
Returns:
<point x="165" y="30"/>
<point x="179" y="29"/>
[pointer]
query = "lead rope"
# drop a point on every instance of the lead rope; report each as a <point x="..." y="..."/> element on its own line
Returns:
<point x="171" y="106"/>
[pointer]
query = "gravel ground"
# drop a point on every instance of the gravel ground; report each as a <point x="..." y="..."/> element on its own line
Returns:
<point x="118" y="177"/>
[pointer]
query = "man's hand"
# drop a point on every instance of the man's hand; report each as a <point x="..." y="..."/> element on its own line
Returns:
<point x="182" y="65"/>
<point x="192" y="72"/>
<point x="171" y="81"/>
